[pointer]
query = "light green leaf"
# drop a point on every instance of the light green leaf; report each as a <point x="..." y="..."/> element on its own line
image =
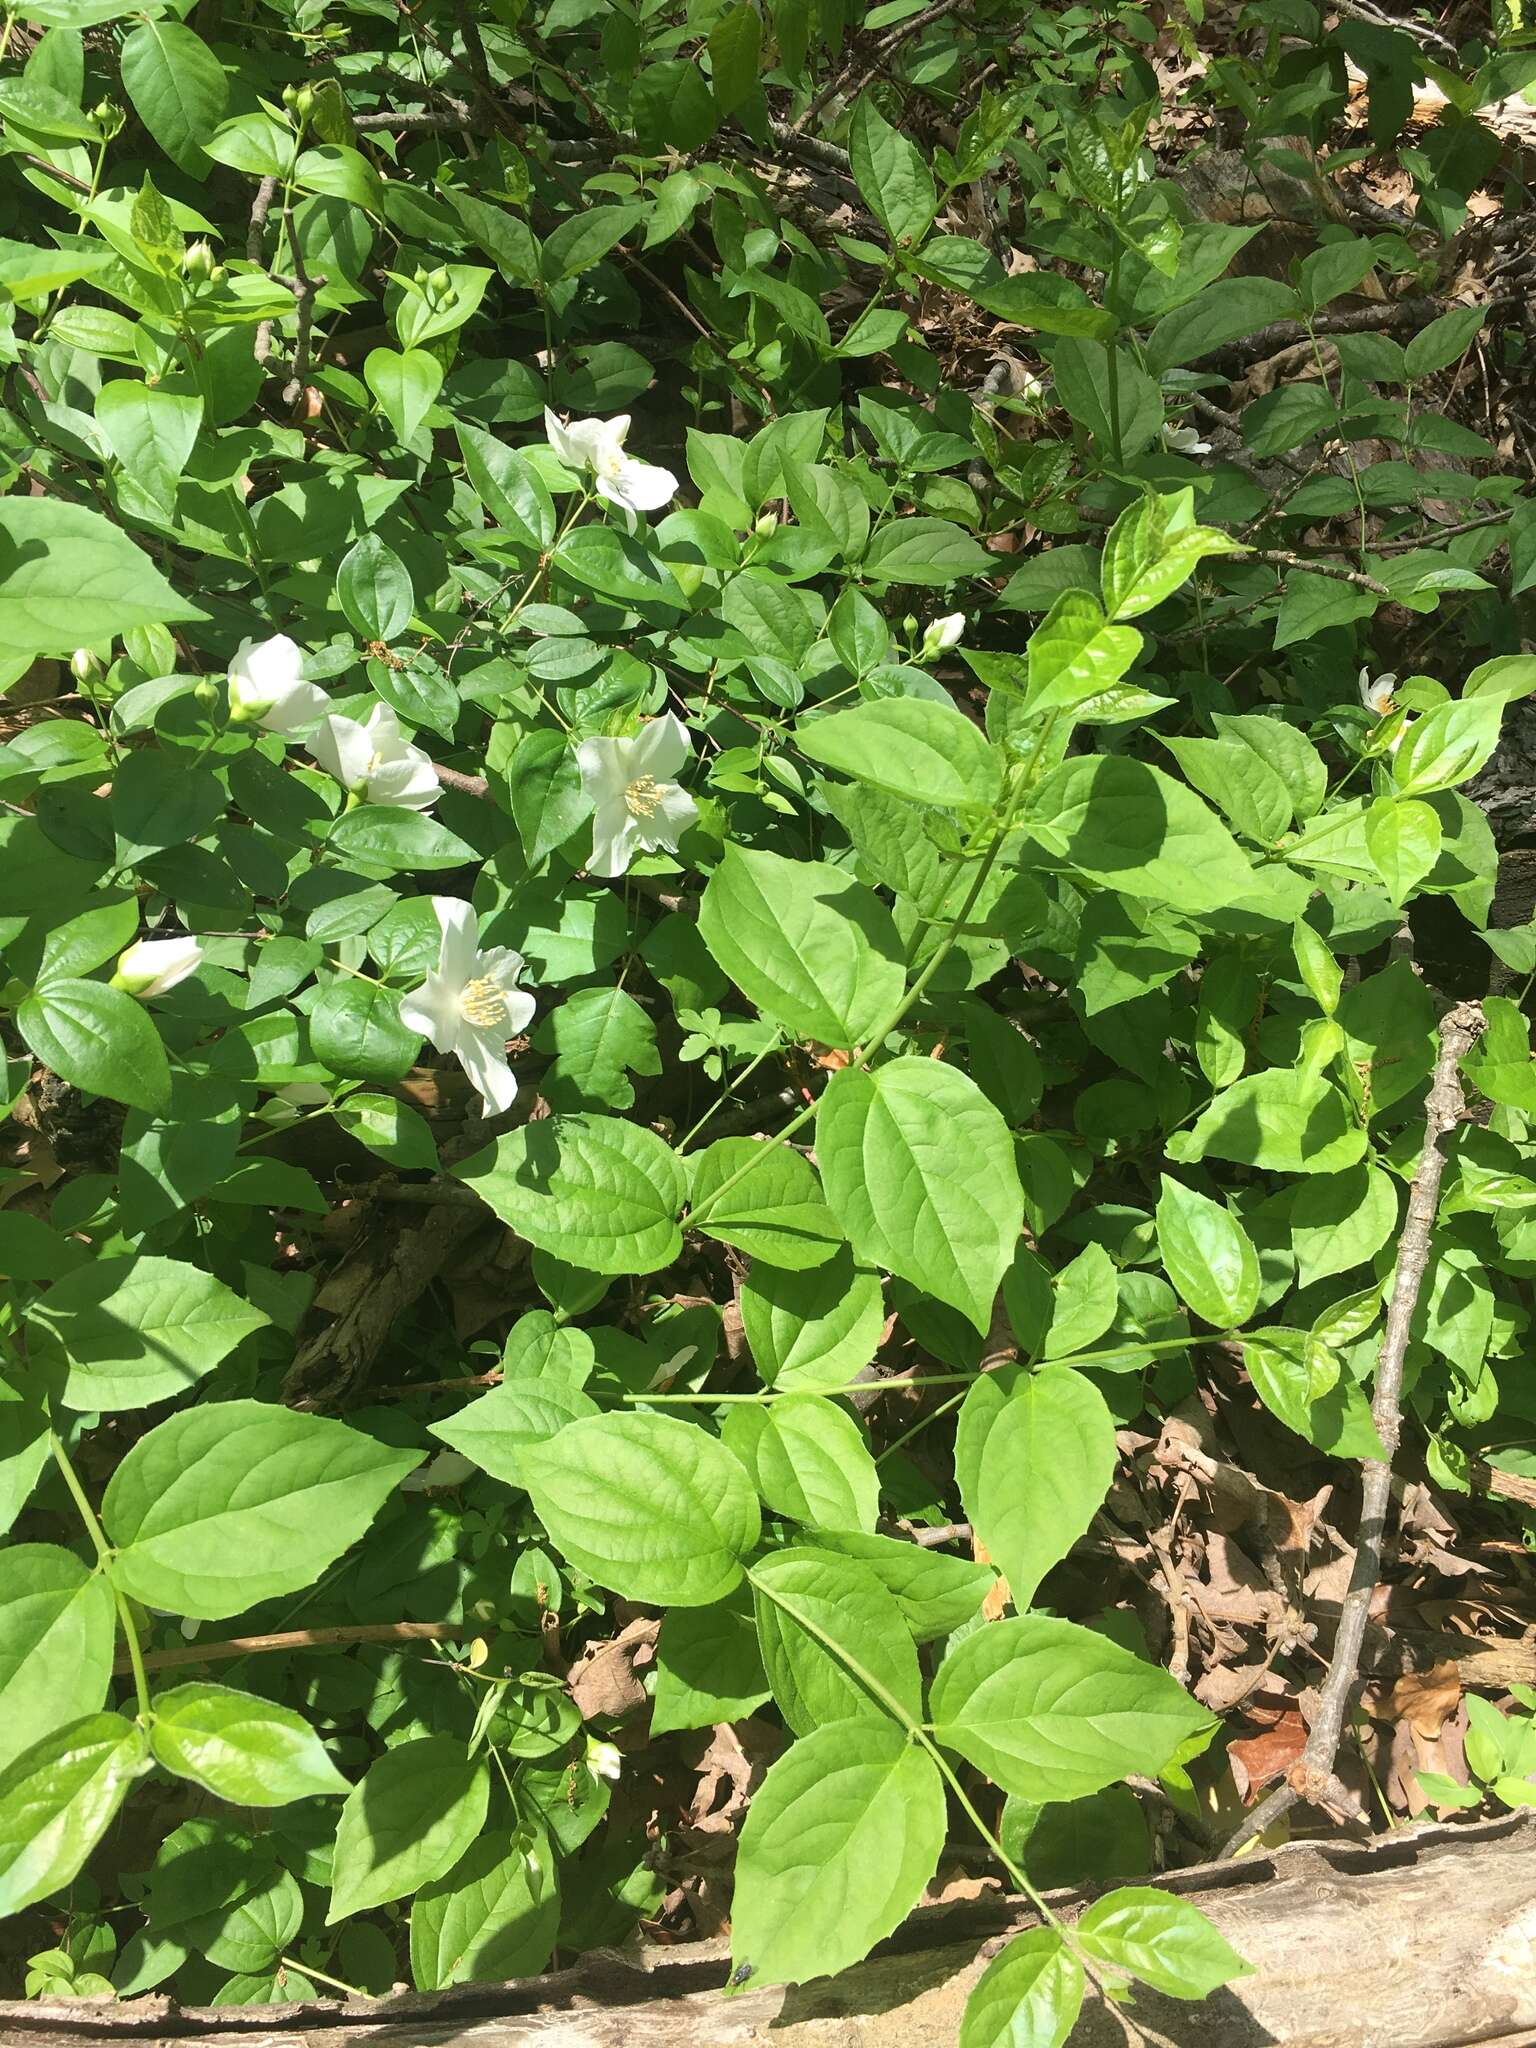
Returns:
<point x="492" y="1917"/>
<point x="373" y="588"/>
<point x="599" y="1036"/>
<point x="405" y="385"/>
<point x="735" y="50"/>
<point x="1446" y="746"/>
<point x="97" y="1038"/>
<point x="356" y="1030"/>
<point x="177" y="87"/>
<point x="57" y="1623"/>
<point x="1087" y="1295"/>
<point x="395" y="1131"/>
<point x="811" y="947"/>
<point x="1132" y="828"/>
<point x="833" y="1641"/>
<point x="910" y="747"/>
<point x="918" y="1168"/>
<point x="1034" y="1457"/>
<point x="808" y="1459"/>
<point x="1075" y="654"/>
<point x="1154" y="547"/>
<point x="135" y="1330"/>
<point x="239" y="1501"/>
<point x="1053" y="1711"/>
<point x="839" y="1841"/>
<point x="494" y="1430"/>
<point x="924" y="551"/>
<point x="596" y="1191"/>
<point x="151" y="432"/>
<point x="1283" y="1120"/>
<point x="240" y="1747"/>
<point x="409" y="1820"/>
<point x="57" y="1800"/>
<point x="1029" y="1996"/>
<point x="69" y="578"/>
<point x="1403" y="836"/>
<point x="936" y="1593"/>
<point x="655" y="1508"/>
<point x="1340" y="1220"/>
<point x="1160" y="1940"/>
<point x="708" y="1666"/>
<point x="390" y="837"/>
<point x="810" y="1329"/>
<point x="508" y="486"/>
<point x="776" y="1212"/>
<point x="1207" y="1255"/>
<point x="892" y="175"/>
<point x="548" y="799"/>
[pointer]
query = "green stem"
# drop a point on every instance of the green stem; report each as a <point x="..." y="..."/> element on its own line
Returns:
<point x="1112" y="364"/>
<point x="899" y="1010"/>
<point x="103" y="1551"/>
<point x="320" y="1976"/>
<point x="776" y="1045"/>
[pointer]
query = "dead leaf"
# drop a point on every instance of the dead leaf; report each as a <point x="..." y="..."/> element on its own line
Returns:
<point x="606" y="1681"/>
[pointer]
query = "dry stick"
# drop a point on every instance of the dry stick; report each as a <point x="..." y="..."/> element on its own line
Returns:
<point x="308" y="1639"/>
<point x="883" y="50"/>
<point x="1312" y="1777"/>
<point x="1286" y="560"/>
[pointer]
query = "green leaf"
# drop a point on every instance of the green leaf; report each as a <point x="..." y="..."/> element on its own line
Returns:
<point x="708" y="1667"/>
<point x="833" y="1641"/>
<point x="1160" y="1940"/>
<point x="1229" y="310"/>
<point x="1075" y="654"/>
<point x="654" y="1508"/>
<point x="1340" y="1220"/>
<point x="585" y="238"/>
<point x="240" y="1747"/>
<point x="808" y="1459"/>
<point x="810" y="1329"/>
<point x="918" y="1168"/>
<point x="1207" y="1255"/>
<point x="58" y="1799"/>
<point x="603" y="559"/>
<point x="508" y="486"/>
<point x="813" y="949"/>
<point x="1299" y="1381"/>
<point x="1132" y="828"/>
<point x="1312" y="604"/>
<point x="776" y="1212"/>
<point x="735" y="51"/>
<point x="414" y="1813"/>
<point x="599" y="1036"/>
<point x="1086" y="1298"/>
<point x="1446" y="746"/>
<point x="1053" y="1711"/>
<point x="239" y="1501"/>
<point x="1154" y="547"/>
<point x="892" y="175"/>
<point x="936" y="1593"/>
<point x="839" y="1841"/>
<point x="1034" y="1457"/>
<point x="131" y="1331"/>
<point x="152" y="432"/>
<point x="1029" y="1996"/>
<point x="549" y="802"/>
<point x="924" y="551"/>
<point x="406" y="387"/>
<point x="389" y="837"/>
<point x="1283" y="1120"/>
<point x="494" y="1915"/>
<point x="596" y="1191"/>
<point x="97" y="1038"/>
<point x="497" y="1428"/>
<point x="395" y="1131"/>
<point x="57" y="1625"/>
<point x="177" y="87"/>
<point x="1403" y="838"/>
<point x="373" y="588"/>
<point x="909" y="746"/>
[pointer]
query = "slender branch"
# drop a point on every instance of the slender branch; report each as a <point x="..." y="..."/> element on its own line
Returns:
<point x="1286" y="560"/>
<point x="454" y="778"/>
<point x="308" y="1639"/>
<point x="1312" y="1776"/>
<point x="884" y="50"/>
<point x="261" y="206"/>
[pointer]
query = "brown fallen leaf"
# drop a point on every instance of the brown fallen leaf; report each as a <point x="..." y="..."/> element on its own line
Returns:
<point x="606" y="1681"/>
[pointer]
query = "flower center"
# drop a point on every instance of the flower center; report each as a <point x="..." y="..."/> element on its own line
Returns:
<point x="484" y="1002"/>
<point x="609" y="463"/>
<point x="643" y="797"/>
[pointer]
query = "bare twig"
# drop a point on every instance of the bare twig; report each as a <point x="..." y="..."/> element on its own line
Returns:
<point x="454" y="778"/>
<point x="1312" y="1776"/>
<point x="933" y="1539"/>
<point x="884" y="50"/>
<point x="261" y="206"/>
<point x="1286" y="560"/>
<point x="307" y="1639"/>
<point x="304" y="306"/>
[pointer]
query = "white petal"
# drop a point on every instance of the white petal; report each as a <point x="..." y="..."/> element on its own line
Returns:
<point x="483" y="1056"/>
<point x="662" y="749"/>
<point x="520" y="1009"/>
<point x="433" y="1010"/>
<point x="409" y="780"/>
<point x="504" y="965"/>
<point x="586" y="444"/>
<point x="458" y="960"/>
<point x="616" y="431"/>
<point x="604" y="769"/>
<point x="343" y="749"/>
<point x="640" y="486"/>
<point x="295" y="709"/>
<point x="615" y="838"/>
<point x="264" y="669"/>
<point x="674" y="814"/>
<point x="383" y="730"/>
<point x="560" y="441"/>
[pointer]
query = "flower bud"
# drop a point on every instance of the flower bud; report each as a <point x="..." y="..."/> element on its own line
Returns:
<point x="604" y="1759"/>
<point x="108" y="116"/>
<point x="151" y="966"/>
<point x="766" y="526"/>
<point x="941" y="635"/>
<point x="205" y="692"/>
<point x="85" y="666"/>
<point x="197" y="259"/>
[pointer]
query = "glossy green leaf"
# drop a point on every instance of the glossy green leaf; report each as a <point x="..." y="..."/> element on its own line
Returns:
<point x="909" y="746"/>
<point x="1029" y="1995"/>
<point x="833" y="1642"/>
<point x="57" y="1626"/>
<point x="57" y="1800"/>
<point x="776" y="1211"/>
<point x="240" y="1747"/>
<point x="493" y="1916"/>
<point x="97" y="1038"/>
<point x="1160" y="1940"/>
<point x="594" y="1190"/>
<point x="127" y="1332"/>
<point x="1207" y="1255"/>
<point x="408" y="1821"/>
<point x="1034" y="1460"/>
<point x="808" y="1459"/>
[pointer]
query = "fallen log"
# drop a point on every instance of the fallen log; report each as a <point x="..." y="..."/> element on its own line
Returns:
<point x="1420" y="1939"/>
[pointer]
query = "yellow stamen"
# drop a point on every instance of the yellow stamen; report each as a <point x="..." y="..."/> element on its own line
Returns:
<point x="643" y="797"/>
<point x="484" y="1002"/>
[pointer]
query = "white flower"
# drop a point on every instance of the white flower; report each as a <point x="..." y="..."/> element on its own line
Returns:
<point x="598" y="446"/>
<point x="942" y="635"/>
<point x="471" y="1004"/>
<point x="266" y="683"/>
<point x="604" y="1759"/>
<point x="372" y="760"/>
<point x="1031" y="388"/>
<point x="151" y="966"/>
<point x="1184" y="440"/>
<point x="639" y="805"/>
<point x="1376" y="696"/>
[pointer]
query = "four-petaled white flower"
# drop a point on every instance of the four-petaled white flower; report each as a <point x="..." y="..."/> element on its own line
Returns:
<point x="151" y="966"/>
<point x="1184" y="440"/>
<point x="598" y="446"/>
<point x="470" y="1005"/>
<point x="942" y="635"/>
<point x="1377" y="696"/>
<point x="639" y="804"/>
<point x="371" y="759"/>
<point x="266" y="683"/>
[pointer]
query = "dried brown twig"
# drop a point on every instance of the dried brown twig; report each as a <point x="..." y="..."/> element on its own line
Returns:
<point x="1311" y="1777"/>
